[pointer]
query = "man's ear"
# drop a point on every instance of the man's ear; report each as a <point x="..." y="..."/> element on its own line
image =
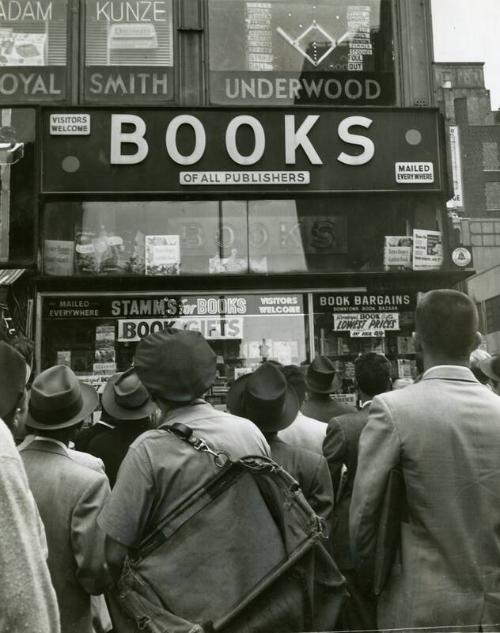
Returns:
<point x="417" y="342"/>
<point x="478" y="339"/>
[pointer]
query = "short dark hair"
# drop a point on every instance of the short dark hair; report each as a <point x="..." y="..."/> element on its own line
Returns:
<point x="446" y="322"/>
<point x="296" y="379"/>
<point x="373" y="373"/>
<point x="63" y="435"/>
<point x="24" y="346"/>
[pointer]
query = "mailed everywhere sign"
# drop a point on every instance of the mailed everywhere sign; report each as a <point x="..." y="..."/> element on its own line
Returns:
<point x="292" y="150"/>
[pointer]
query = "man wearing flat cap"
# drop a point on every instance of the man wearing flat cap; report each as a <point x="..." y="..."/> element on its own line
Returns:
<point x="69" y="495"/>
<point x="177" y="367"/>
<point x="319" y="405"/>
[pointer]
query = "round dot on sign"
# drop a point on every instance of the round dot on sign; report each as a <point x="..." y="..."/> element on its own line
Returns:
<point x="70" y="164"/>
<point x="413" y="137"/>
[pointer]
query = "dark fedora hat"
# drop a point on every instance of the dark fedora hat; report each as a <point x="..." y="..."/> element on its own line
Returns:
<point x="491" y="367"/>
<point x="320" y="375"/>
<point x="59" y="400"/>
<point x="176" y="365"/>
<point x="12" y="378"/>
<point x="126" y="398"/>
<point x="265" y="398"/>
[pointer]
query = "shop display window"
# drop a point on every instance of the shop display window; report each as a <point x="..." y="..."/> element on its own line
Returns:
<point x="129" y="51"/>
<point x="212" y="237"/>
<point x="335" y="52"/>
<point x="18" y="198"/>
<point x="347" y="324"/>
<point x="33" y="51"/>
<point x="96" y="335"/>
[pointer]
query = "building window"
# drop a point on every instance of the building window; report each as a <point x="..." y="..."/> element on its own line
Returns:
<point x="492" y="308"/>
<point x="490" y="156"/>
<point x="492" y="193"/>
<point x="330" y="52"/>
<point x="484" y="233"/>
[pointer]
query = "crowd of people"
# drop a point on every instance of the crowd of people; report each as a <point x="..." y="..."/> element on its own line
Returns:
<point x="77" y="499"/>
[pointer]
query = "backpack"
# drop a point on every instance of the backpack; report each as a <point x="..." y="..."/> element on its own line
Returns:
<point x="244" y="552"/>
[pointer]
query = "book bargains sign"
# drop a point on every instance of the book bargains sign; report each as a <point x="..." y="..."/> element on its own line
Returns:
<point x="220" y="150"/>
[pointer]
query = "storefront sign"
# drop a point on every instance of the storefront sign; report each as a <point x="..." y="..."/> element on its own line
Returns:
<point x="167" y="151"/>
<point x="211" y="327"/>
<point x="70" y="124"/>
<point x="140" y="308"/>
<point x="330" y="52"/>
<point x="33" y="50"/>
<point x="366" y="324"/>
<point x="457" y="201"/>
<point x="408" y="173"/>
<point x="355" y="303"/>
<point x="129" y="51"/>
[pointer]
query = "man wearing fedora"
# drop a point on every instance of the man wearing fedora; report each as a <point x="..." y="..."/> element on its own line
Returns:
<point x="443" y="434"/>
<point x="27" y="597"/>
<point x="265" y="398"/>
<point x="304" y="431"/>
<point x="490" y="367"/>
<point x="126" y="411"/>
<point x="320" y="378"/>
<point x="177" y="367"/>
<point x="69" y="495"/>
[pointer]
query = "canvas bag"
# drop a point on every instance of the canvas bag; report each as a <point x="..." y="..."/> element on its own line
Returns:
<point x="244" y="552"/>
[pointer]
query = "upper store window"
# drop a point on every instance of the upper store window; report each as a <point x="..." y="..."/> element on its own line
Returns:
<point x="129" y="51"/>
<point x="332" y="52"/>
<point x="211" y="237"/>
<point x="33" y="51"/>
<point x="17" y="185"/>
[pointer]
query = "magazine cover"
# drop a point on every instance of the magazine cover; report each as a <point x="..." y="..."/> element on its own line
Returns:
<point x="163" y="255"/>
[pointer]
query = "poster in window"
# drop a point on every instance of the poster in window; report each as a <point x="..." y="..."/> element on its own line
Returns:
<point x="163" y="255"/>
<point x="427" y="250"/>
<point x="129" y="51"/>
<point x="334" y="52"/>
<point x="33" y="50"/>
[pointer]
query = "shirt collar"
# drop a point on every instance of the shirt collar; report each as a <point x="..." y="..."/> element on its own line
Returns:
<point x="366" y="403"/>
<point x="450" y="372"/>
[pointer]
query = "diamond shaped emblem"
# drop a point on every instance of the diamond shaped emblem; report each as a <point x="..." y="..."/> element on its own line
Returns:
<point x="301" y="46"/>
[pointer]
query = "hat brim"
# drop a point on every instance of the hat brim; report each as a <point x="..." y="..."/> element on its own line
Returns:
<point x="314" y="388"/>
<point x="90" y="401"/>
<point x="236" y="404"/>
<point x="117" y="412"/>
<point x="486" y="366"/>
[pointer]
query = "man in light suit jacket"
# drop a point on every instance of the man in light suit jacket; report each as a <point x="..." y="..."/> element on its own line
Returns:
<point x="68" y="494"/>
<point x="444" y="434"/>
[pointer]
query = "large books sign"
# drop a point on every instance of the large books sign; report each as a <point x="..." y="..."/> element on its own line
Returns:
<point x="293" y="150"/>
<point x="128" y="51"/>
<point x="335" y="52"/>
<point x="33" y="50"/>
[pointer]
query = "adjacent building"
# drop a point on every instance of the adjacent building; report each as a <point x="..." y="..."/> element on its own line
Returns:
<point x="474" y="142"/>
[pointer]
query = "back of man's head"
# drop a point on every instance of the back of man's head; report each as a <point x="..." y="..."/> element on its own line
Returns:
<point x="446" y="324"/>
<point x="373" y="373"/>
<point x="296" y="379"/>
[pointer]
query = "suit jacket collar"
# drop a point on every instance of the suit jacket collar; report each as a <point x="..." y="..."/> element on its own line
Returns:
<point x="449" y="372"/>
<point x="44" y="447"/>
